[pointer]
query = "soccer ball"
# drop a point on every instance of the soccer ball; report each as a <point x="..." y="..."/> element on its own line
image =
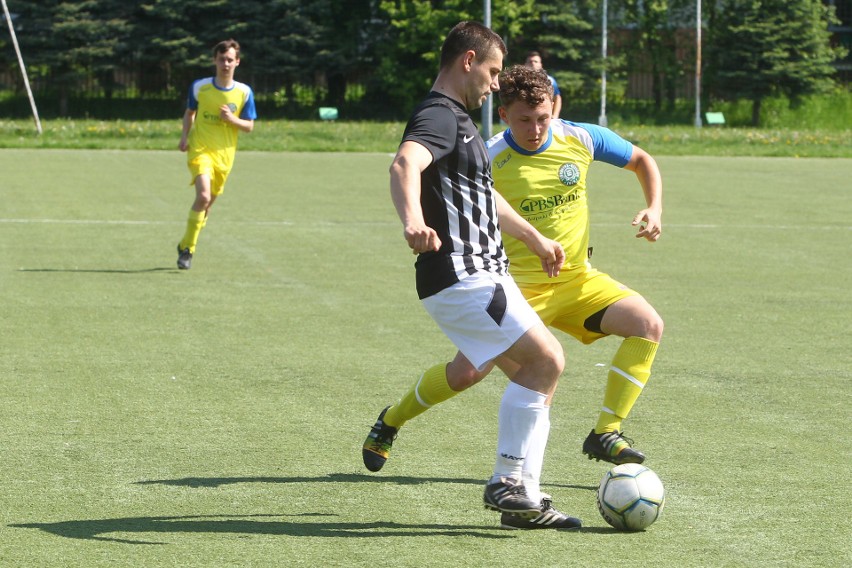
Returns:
<point x="631" y="497"/>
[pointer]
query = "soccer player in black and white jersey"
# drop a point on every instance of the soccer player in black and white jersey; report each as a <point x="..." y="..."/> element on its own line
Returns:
<point x="443" y="192"/>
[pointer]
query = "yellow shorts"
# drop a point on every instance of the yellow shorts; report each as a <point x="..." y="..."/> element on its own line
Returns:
<point x="215" y="168"/>
<point x="567" y="305"/>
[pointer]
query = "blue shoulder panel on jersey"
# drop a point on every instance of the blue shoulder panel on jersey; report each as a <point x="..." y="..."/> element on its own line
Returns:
<point x="555" y="85"/>
<point x="608" y="146"/>
<point x="249" y="111"/>
<point x="192" y="99"/>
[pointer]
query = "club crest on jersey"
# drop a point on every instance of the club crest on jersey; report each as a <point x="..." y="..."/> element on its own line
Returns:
<point x="569" y="173"/>
<point x="233" y="107"/>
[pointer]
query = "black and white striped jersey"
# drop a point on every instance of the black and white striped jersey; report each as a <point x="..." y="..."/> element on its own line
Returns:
<point x="457" y="196"/>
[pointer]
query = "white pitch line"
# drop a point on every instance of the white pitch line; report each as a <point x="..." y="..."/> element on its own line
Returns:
<point x="129" y="222"/>
<point x="332" y="223"/>
<point x="765" y="227"/>
<point x="82" y="222"/>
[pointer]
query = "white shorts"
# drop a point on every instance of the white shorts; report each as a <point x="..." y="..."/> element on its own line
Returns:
<point x="483" y="315"/>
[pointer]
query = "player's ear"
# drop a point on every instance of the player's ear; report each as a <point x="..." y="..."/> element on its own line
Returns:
<point x="501" y="111"/>
<point x="468" y="58"/>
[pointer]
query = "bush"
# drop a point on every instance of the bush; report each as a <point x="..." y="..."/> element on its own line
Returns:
<point x="832" y="111"/>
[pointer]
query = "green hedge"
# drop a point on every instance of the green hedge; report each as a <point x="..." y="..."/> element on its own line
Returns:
<point x="832" y="111"/>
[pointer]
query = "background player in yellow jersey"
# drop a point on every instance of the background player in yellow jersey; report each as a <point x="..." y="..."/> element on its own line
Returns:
<point x="540" y="167"/>
<point x="218" y="108"/>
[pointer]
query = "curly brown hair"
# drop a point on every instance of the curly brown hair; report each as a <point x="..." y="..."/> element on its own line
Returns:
<point x="522" y="83"/>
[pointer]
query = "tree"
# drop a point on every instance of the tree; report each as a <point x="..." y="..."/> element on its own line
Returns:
<point x="567" y="33"/>
<point x="761" y="48"/>
<point x="409" y="54"/>
<point x="77" y="41"/>
<point x="655" y="46"/>
<point x="176" y="37"/>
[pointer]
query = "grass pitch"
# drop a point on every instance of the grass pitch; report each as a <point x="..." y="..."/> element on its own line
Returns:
<point x="152" y="417"/>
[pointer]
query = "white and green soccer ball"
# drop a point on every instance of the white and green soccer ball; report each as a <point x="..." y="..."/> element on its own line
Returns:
<point x="631" y="497"/>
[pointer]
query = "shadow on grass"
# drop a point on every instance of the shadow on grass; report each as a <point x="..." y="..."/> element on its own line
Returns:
<point x="330" y="478"/>
<point x="96" y="529"/>
<point x="302" y="525"/>
<point x="101" y="271"/>
<point x="197" y="482"/>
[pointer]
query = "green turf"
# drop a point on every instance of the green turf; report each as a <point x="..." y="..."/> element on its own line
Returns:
<point x="151" y="417"/>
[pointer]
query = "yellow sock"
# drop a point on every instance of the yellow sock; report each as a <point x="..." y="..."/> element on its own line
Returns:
<point x="430" y="389"/>
<point x="194" y="224"/>
<point x="628" y="374"/>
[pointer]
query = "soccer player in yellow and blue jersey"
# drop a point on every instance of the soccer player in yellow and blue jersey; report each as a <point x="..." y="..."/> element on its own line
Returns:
<point x="217" y="109"/>
<point x="540" y="166"/>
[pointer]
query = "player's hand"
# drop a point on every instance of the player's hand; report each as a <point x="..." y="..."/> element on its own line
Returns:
<point x="422" y="238"/>
<point x="552" y="256"/>
<point x="225" y="114"/>
<point x="183" y="145"/>
<point x="649" y="223"/>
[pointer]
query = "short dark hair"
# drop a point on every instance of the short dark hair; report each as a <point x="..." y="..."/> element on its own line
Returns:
<point x="467" y="36"/>
<point x="533" y="54"/>
<point x="522" y="83"/>
<point x="225" y="45"/>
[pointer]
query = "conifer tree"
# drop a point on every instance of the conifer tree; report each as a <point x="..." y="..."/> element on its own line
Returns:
<point x="762" y="48"/>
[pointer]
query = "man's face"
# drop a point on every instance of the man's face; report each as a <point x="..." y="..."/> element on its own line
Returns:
<point x="529" y="124"/>
<point x="482" y="80"/>
<point x="534" y="61"/>
<point x="227" y="62"/>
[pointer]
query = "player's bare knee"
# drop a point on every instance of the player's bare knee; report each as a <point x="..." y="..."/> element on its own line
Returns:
<point x="465" y="380"/>
<point x="654" y="327"/>
<point x="202" y="203"/>
<point x="462" y="377"/>
<point x="551" y="363"/>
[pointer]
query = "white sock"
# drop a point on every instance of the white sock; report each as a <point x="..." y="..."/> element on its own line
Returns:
<point x="534" y="460"/>
<point x="521" y="411"/>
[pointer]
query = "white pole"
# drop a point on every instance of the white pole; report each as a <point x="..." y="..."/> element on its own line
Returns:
<point x="23" y="68"/>
<point x="698" y="64"/>
<point x="602" y="118"/>
<point x="486" y="106"/>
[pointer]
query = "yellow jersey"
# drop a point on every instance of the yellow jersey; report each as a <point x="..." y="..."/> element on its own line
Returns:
<point x="547" y="187"/>
<point x="209" y="135"/>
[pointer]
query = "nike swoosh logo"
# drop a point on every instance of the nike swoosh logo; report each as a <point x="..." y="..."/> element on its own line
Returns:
<point x="467" y="139"/>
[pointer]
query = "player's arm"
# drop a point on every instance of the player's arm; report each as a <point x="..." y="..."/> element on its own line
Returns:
<point x="243" y="124"/>
<point x="550" y="252"/>
<point x="557" y="105"/>
<point x="410" y="160"/>
<point x="649" y="220"/>
<point x="188" y="120"/>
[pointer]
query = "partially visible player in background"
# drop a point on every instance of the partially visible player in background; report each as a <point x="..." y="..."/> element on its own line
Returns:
<point x="217" y="109"/>
<point x="540" y="167"/>
<point x="534" y="61"/>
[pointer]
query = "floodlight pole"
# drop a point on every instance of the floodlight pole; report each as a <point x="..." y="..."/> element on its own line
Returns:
<point x="21" y="63"/>
<point x="602" y="118"/>
<point x="486" y="106"/>
<point x="698" y="64"/>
